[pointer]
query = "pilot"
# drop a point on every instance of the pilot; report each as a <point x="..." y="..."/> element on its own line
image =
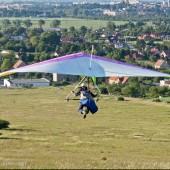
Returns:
<point x="86" y="100"/>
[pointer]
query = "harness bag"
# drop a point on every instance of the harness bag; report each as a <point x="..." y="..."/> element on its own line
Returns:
<point x="90" y="104"/>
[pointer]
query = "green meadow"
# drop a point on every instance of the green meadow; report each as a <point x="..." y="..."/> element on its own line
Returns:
<point x="46" y="132"/>
<point x="68" y="22"/>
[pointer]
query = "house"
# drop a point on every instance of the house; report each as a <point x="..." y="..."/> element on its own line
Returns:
<point x="134" y="56"/>
<point x="161" y="64"/>
<point x="165" y="82"/>
<point x="127" y="57"/>
<point x="148" y="36"/>
<point x="66" y="39"/>
<point x="154" y="35"/>
<point x="19" y="63"/>
<point x="109" y="12"/>
<point x="145" y="37"/>
<point x="154" y="50"/>
<point x="113" y="13"/>
<point x="117" y="79"/>
<point x="112" y="39"/>
<point x="17" y="38"/>
<point x="26" y="82"/>
<point x="137" y="56"/>
<point x="166" y="37"/>
<point x="165" y="54"/>
<point x="130" y="46"/>
<point x="118" y="45"/>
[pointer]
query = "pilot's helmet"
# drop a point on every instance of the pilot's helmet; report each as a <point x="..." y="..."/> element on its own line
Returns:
<point x="83" y="85"/>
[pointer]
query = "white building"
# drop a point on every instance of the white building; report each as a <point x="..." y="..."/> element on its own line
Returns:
<point x="109" y="12"/>
<point x="26" y="82"/>
<point x="118" y="45"/>
<point x="113" y="13"/>
<point x="17" y="38"/>
<point x="165" y="82"/>
<point x="4" y="52"/>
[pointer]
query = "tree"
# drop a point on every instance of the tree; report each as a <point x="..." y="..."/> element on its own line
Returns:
<point x="6" y="23"/>
<point x="74" y="48"/>
<point x="147" y="30"/>
<point x="72" y="31"/>
<point x="19" y="31"/>
<point x="110" y="27"/>
<point x="140" y="44"/>
<point x="50" y="39"/>
<point x="64" y="32"/>
<point x="115" y="89"/>
<point x="55" y="23"/>
<point x="4" y="40"/>
<point x="117" y="54"/>
<point x="140" y="23"/>
<point x="132" y="91"/>
<point x="6" y="65"/>
<point x="41" y="23"/>
<point x="34" y="40"/>
<point x="17" y="23"/>
<point x="38" y="75"/>
<point x="83" y="30"/>
<point x="27" y="23"/>
<point x="29" y="47"/>
<point x="153" y="91"/>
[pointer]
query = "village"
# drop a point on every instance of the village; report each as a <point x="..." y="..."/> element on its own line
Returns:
<point x="133" y="42"/>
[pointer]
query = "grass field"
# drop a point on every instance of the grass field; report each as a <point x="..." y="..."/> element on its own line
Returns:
<point x="166" y="99"/>
<point x="48" y="132"/>
<point x="68" y="22"/>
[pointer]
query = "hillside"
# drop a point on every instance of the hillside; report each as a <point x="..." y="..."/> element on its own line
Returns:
<point x="48" y="132"/>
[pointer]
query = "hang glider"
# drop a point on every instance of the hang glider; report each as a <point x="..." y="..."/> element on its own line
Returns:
<point x="87" y="65"/>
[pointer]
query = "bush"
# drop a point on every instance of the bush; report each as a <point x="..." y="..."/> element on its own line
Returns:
<point x="4" y="124"/>
<point x="156" y="100"/>
<point x="61" y="83"/>
<point x="104" y="158"/>
<point x="103" y="89"/>
<point x="120" y="98"/>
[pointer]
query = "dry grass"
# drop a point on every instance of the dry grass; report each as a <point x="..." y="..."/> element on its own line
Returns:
<point x="48" y="132"/>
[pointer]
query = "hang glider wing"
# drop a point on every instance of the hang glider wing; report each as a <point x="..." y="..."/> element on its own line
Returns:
<point x="87" y="65"/>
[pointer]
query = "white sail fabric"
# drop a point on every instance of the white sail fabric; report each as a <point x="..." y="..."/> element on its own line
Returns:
<point x="87" y="65"/>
